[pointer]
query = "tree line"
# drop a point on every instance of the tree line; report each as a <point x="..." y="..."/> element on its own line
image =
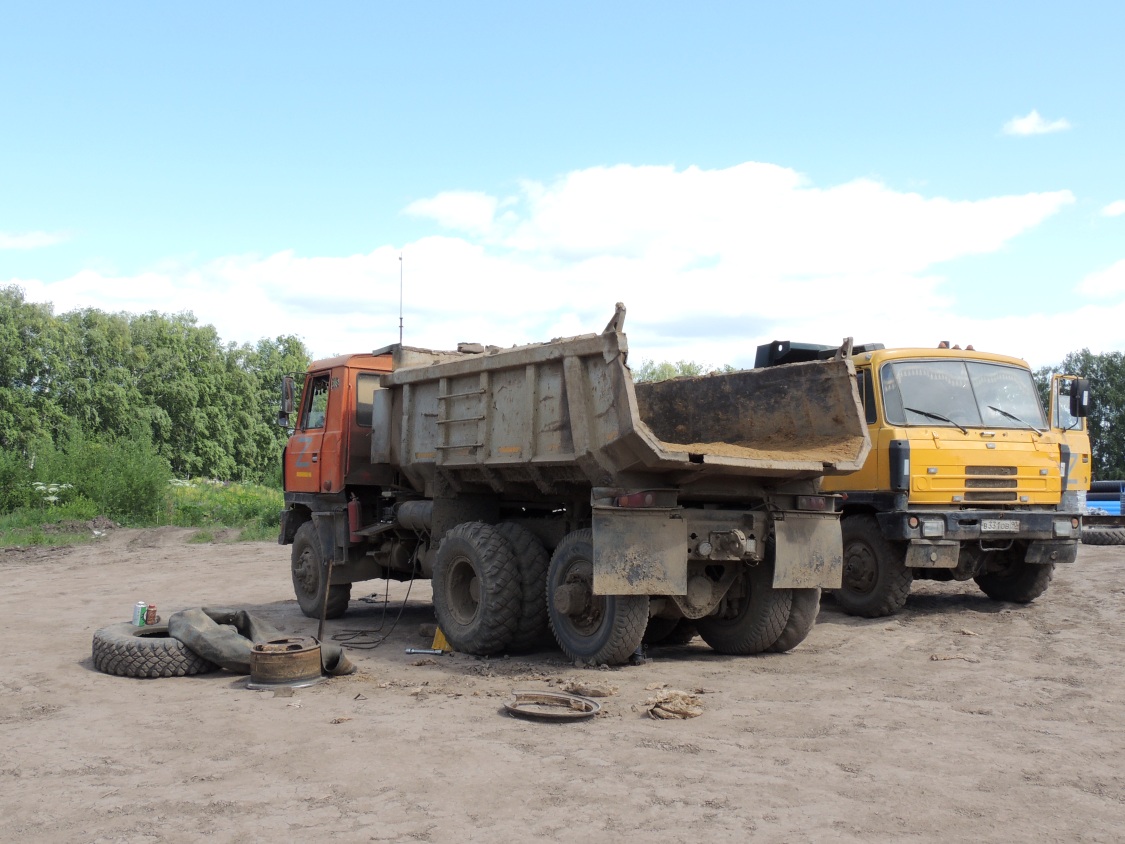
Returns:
<point x="206" y="407"/>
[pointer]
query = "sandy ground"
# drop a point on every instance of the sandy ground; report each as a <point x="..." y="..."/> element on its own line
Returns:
<point x="958" y="719"/>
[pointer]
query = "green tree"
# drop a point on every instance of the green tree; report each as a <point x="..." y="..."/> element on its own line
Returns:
<point x="29" y="364"/>
<point x="649" y="370"/>
<point x="97" y="385"/>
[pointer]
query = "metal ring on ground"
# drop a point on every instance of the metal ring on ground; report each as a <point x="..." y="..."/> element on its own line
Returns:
<point x="551" y="706"/>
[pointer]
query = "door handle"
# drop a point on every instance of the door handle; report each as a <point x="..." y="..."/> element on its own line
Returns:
<point x="314" y="456"/>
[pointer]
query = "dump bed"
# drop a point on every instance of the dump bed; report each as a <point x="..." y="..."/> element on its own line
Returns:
<point x="530" y="421"/>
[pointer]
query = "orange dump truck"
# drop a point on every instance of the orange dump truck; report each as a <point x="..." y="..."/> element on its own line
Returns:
<point x="544" y="492"/>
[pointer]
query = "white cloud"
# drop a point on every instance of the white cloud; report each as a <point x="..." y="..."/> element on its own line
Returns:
<point x="29" y="240"/>
<point x="1106" y="282"/>
<point x="709" y="263"/>
<point x="1114" y="209"/>
<point x="461" y="210"/>
<point x="1034" y="124"/>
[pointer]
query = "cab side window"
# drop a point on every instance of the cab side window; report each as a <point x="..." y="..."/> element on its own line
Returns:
<point x="867" y="390"/>
<point x="316" y="404"/>
<point x="364" y="396"/>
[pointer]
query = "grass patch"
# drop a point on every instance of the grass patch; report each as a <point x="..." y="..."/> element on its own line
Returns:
<point x="247" y="512"/>
<point x="212" y="506"/>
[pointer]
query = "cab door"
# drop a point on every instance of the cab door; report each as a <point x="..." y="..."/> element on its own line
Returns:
<point x="303" y="467"/>
<point x="1072" y="429"/>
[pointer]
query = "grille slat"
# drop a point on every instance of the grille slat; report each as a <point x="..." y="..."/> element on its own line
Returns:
<point x="991" y="470"/>
<point x="990" y="496"/>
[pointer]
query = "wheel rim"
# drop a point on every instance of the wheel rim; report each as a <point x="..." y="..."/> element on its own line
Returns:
<point x="586" y="618"/>
<point x="860" y="569"/>
<point x="464" y="591"/>
<point x="306" y="573"/>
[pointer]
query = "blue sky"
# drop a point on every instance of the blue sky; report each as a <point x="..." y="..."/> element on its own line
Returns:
<point x="734" y="172"/>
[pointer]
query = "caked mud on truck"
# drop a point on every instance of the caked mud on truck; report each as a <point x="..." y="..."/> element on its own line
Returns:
<point x="546" y="493"/>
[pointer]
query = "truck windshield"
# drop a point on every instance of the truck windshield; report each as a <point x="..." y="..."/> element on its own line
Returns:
<point x="960" y="394"/>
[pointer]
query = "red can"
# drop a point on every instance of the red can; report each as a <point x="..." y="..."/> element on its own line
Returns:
<point x="150" y="614"/>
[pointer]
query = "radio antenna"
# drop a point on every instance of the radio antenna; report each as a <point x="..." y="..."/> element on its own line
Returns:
<point x="400" y="298"/>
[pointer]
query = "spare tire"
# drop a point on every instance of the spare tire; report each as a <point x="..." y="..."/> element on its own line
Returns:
<point x="1103" y="536"/>
<point x="128" y="651"/>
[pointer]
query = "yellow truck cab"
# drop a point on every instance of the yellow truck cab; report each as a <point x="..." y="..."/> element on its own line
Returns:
<point x="966" y="477"/>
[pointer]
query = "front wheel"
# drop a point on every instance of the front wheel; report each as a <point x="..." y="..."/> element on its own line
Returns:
<point x="1018" y="582"/>
<point x="598" y="629"/>
<point x="309" y="569"/>
<point x="876" y="580"/>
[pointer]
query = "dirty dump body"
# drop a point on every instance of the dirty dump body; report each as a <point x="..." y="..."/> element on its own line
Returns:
<point x="540" y="489"/>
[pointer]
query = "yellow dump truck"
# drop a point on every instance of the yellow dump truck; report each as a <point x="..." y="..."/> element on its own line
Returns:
<point x="967" y="476"/>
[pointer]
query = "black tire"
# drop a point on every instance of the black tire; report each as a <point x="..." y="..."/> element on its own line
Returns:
<point x="1018" y="582"/>
<point x="751" y="617"/>
<point x="876" y="580"/>
<point x="307" y="565"/>
<point x="476" y="583"/>
<point x="1103" y="536"/>
<point x="802" y="618"/>
<point x="669" y="632"/>
<point x="532" y="558"/>
<point x="595" y="629"/>
<point x="128" y="651"/>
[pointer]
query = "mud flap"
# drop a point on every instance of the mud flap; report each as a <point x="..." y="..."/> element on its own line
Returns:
<point x="932" y="555"/>
<point x="810" y="552"/>
<point x="640" y="551"/>
<point x="1044" y="552"/>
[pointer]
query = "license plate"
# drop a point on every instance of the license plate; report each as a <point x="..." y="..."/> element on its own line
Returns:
<point x="1000" y="524"/>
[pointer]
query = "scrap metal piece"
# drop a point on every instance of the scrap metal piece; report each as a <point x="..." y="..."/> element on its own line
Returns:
<point x="551" y="706"/>
<point x="291" y="662"/>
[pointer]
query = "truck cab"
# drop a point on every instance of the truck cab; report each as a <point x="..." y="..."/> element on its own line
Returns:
<point x="331" y="443"/>
<point x="966" y="478"/>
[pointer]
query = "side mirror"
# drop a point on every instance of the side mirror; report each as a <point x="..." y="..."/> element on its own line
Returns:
<point x="287" y="390"/>
<point x="1079" y="397"/>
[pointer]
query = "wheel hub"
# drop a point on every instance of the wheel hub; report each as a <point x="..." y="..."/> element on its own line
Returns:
<point x="307" y="574"/>
<point x="860" y="569"/>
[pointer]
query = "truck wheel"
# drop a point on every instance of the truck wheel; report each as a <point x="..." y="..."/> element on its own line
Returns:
<point x="532" y="560"/>
<point x="751" y="618"/>
<point x="802" y="619"/>
<point x="876" y="579"/>
<point x="1103" y="536"/>
<point x="129" y="651"/>
<point x="598" y="629"/>
<point x="476" y="586"/>
<point x="1018" y="582"/>
<point x="308" y="567"/>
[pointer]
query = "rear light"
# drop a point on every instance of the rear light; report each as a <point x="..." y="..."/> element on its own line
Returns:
<point x="635" y="499"/>
<point x="813" y="502"/>
<point x="912" y="521"/>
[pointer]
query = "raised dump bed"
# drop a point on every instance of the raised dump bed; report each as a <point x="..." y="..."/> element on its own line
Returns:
<point x="532" y="420"/>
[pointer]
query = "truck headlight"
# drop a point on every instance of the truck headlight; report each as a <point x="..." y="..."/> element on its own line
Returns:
<point x="932" y="527"/>
<point x="1063" y="527"/>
